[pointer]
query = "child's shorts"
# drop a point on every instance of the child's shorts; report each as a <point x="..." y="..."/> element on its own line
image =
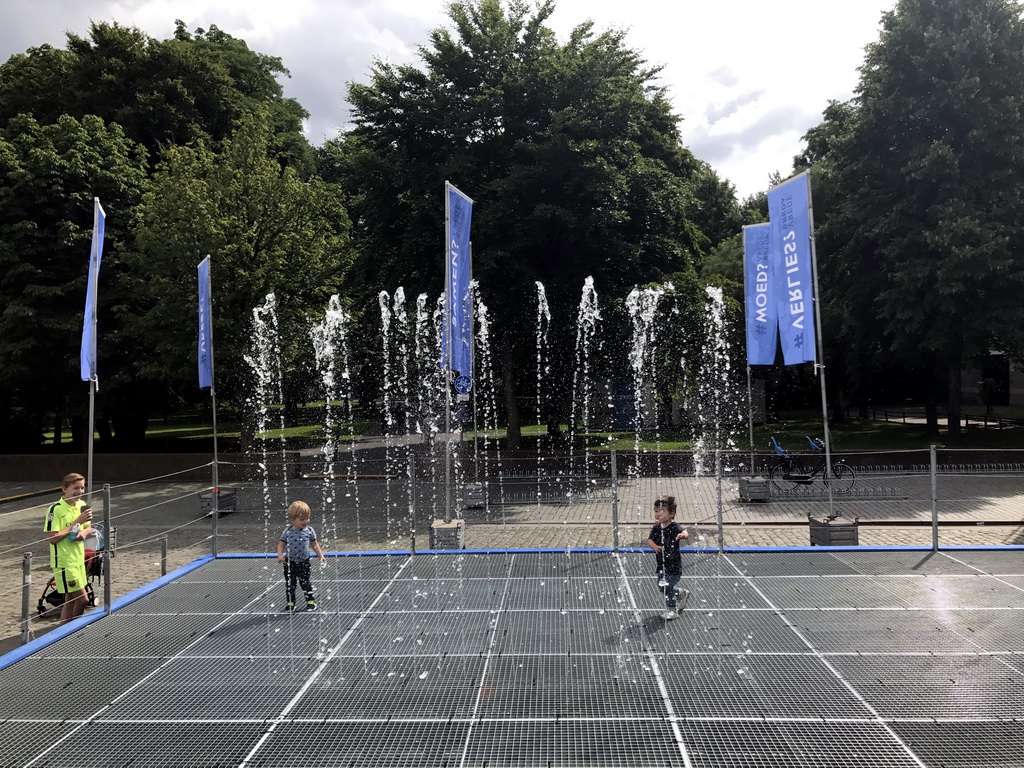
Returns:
<point x="70" y="579"/>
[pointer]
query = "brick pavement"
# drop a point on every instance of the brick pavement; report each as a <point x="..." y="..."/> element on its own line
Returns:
<point x="373" y="515"/>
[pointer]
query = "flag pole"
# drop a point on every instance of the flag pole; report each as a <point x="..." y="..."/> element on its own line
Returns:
<point x="447" y="357"/>
<point x="206" y="379"/>
<point x="750" y="422"/>
<point x="472" y="369"/>
<point x="750" y="398"/>
<point x="820" y="347"/>
<point x="94" y="275"/>
<point x="213" y="405"/>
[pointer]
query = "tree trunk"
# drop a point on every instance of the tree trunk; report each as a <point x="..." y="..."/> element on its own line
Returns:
<point x="80" y="434"/>
<point x="953" y="399"/>
<point x="931" y="414"/>
<point x="58" y="423"/>
<point x="933" y="386"/>
<point x="514" y="430"/>
<point x="247" y="431"/>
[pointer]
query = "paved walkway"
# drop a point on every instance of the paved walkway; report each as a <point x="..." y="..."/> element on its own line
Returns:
<point x="375" y="513"/>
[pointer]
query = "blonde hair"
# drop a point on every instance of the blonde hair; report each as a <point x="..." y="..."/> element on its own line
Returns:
<point x="298" y="510"/>
<point x="70" y="479"/>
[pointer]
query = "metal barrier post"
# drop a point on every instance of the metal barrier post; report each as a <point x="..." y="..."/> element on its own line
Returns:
<point x="935" y="500"/>
<point x="26" y="599"/>
<point x="163" y="555"/>
<point x="111" y="539"/>
<point x="412" y="503"/>
<point x="721" y="524"/>
<point x="615" y="504"/>
<point x="215" y="501"/>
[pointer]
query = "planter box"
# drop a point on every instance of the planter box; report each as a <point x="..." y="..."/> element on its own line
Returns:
<point x="450" y="534"/>
<point x="754" y="489"/>
<point x="226" y="503"/>
<point x="828" y="533"/>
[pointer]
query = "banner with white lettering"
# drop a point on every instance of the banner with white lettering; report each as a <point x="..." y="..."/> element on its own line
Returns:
<point x="205" y="347"/>
<point x="789" y="209"/>
<point x="762" y="309"/>
<point x="458" y="326"/>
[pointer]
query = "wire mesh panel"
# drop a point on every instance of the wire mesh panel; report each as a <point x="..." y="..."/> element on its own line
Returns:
<point x="608" y="744"/>
<point x="119" y="744"/>
<point x="757" y="686"/>
<point x="964" y="744"/>
<point x="916" y="563"/>
<point x="391" y="686"/>
<point x="795" y="564"/>
<point x="21" y="742"/>
<point x="567" y="686"/>
<point x="538" y="658"/>
<point x="936" y="687"/>
<point x="85" y="683"/>
<point x="761" y="744"/>
<point x="830" y="592"/>
<point x="192" y="688"/>
<point x="910" y="631"/>
<point x="391" y="743"/>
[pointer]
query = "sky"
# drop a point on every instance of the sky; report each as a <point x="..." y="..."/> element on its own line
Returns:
<point x="748" y="78"/>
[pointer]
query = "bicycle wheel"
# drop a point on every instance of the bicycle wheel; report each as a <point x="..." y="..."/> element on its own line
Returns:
<point x="778" y="478"/>
<point x="841" y="477"/>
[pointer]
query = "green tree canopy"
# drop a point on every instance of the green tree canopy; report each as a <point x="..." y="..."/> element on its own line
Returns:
<point x="570" y="150"/>
<point x="50" y="174"/>
<point x="931" y="175"/>
<point x="161" y="92"/>
<point x="267" y="231"/>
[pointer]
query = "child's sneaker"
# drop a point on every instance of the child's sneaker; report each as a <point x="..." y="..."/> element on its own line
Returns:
<point x="311" y="605"/>
<point x="288" y="607"/>
<point x="670" y="614"/>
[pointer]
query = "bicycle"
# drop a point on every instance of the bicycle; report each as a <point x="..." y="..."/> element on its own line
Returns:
<point x="789" y="472"/>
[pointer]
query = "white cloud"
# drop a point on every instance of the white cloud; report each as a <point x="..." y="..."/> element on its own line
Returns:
<point x="747" y="77"/>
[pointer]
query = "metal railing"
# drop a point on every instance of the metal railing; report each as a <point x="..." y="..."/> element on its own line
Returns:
<point x="388" y="504"/>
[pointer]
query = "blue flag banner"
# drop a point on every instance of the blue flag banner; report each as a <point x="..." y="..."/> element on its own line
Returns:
<point x="761" y="307"/>
<point x="87" y="357"/>
<point x="458" y="326"/>
<point x="789" y="209"/>
<point x="205" y="326"/>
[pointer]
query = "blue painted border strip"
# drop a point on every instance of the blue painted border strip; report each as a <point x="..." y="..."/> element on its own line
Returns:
<point x="647" y="550"/>
<point x="61" y="632"/>
<point x="146" y="589"/>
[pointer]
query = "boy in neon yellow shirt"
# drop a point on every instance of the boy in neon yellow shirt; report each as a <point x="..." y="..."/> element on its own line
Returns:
<point x="68" y="522"/>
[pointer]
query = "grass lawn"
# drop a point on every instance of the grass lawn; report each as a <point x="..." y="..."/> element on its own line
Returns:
<point x="849" y="435"/>
<point x="194" y="425"/>
<point x="852" y="434"/>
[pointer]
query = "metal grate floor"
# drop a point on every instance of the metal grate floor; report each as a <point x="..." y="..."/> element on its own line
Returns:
<point x="864" y="659"/>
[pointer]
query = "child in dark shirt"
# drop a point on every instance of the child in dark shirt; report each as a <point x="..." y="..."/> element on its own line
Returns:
<point x="664" y="540"/>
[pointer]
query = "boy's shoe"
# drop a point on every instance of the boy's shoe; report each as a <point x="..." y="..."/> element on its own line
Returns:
<point x="311" y="605"/>
<point x="670" y="614"/>
<point x="288" y="607"/>
<point x="682" y="596"/>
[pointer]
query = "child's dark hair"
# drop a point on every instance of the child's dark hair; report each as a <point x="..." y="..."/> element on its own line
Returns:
<point x="669" y="502"/>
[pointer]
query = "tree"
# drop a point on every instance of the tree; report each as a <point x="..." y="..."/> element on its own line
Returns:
<point x="932" y="176"/>
<point x="50" y="175"/>
<point x="570" y="151"/>
<point x="714" y="209"/>
<point x="267" y="231"/>
<point x="161" y="92"/>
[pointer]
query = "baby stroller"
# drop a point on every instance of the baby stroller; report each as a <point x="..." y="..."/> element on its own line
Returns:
<point x="51" y="599"/>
